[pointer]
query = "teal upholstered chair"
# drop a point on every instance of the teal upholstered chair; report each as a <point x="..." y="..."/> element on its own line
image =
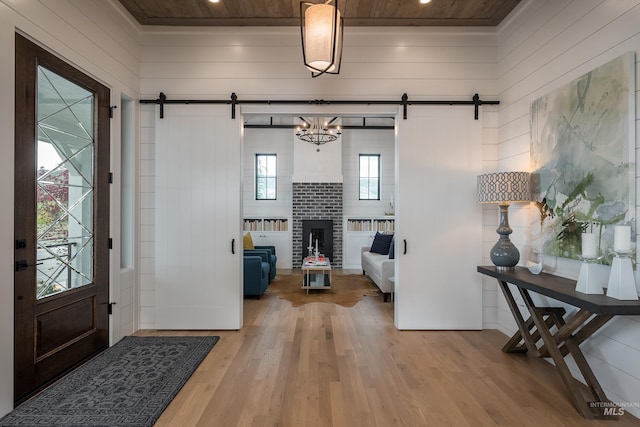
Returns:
<point x="271" y="248"/>
<point x="256" y="275"/>
<point x="269" y="253"/>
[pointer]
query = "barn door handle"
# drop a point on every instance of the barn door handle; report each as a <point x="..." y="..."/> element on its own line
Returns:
<point x="233" y="246"/>
<point x="405" y="246"/>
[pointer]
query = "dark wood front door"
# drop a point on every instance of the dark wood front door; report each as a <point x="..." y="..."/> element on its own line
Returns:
<point x="61" y="218"/>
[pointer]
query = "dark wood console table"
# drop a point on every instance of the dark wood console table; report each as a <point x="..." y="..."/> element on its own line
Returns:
<point x="594" y="311"/>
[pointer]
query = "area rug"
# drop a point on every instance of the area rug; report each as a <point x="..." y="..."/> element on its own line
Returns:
<point x="346" y="289"/>
<point x="129" y="384"/>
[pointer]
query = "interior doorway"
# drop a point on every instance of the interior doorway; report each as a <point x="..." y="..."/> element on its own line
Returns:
<point x="302" y="169"/>
<point x="317" y="183"/>
<point x="430" y="168"/>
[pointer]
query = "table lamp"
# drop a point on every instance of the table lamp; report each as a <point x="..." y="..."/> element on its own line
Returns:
<point x="504" y="188"/>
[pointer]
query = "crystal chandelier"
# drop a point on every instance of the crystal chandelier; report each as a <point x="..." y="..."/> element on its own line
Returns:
<point x="317" y="131"/>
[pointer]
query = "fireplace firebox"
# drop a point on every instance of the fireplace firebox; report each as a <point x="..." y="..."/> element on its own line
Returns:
<point x="320" y="230"/>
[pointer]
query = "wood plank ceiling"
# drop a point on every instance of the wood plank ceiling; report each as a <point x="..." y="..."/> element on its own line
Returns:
<point x="287" y="12"/>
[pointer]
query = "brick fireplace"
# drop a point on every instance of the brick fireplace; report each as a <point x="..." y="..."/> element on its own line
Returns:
<point x="316" y="201"/>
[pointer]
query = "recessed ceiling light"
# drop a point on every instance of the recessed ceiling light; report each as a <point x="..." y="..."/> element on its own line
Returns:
<point x="425" y="1"/>
<point x="218" y="1"/>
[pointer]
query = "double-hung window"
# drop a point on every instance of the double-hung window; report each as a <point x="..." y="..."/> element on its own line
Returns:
<point x="369" y="177"/>
<point x="266" y="177"/>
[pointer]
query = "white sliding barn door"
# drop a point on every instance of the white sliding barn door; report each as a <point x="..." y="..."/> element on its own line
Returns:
<point x="198" y="246"/>
<point x="439" y="223"/>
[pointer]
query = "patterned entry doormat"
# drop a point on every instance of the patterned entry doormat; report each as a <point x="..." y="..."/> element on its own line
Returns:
<point x="129" y="384"/>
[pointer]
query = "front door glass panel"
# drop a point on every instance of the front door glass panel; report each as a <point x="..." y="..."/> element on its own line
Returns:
<point x="64" y="185"/>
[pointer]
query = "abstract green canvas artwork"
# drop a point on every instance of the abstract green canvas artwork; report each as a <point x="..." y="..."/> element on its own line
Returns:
<point x="582" y="154"/>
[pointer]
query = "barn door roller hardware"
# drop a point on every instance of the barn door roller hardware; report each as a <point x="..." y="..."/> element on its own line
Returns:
<point x="233" y="101"/>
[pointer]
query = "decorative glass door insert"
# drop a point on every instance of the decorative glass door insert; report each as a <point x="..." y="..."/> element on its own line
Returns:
<point x="64" y="184"/>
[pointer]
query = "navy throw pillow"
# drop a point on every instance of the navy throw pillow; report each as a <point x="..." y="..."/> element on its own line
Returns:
<point x="392" y="249"/>
<point x="381" y="243"/>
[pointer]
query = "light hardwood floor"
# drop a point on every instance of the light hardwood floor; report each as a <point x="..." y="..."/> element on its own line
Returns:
<point x="325" y="365"/>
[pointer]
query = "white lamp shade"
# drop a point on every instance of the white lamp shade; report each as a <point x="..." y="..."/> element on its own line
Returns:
<point x="321" y="26"/>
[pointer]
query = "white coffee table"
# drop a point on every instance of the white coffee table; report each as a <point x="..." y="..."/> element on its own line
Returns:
<point x="316" y="273"/>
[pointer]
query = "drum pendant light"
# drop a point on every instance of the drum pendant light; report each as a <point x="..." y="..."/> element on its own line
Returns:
<point x="321" y="29"/>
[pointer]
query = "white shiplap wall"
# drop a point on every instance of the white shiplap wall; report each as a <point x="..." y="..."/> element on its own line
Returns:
<point x="147" y="215"/>
<point x="94" y="36"/>
<point x="546" y="44"/>
<point x="281" y="142"/>
<point x="265" y="63"/>
<point x="268" y="141"/>
<point x="354" y="143"/>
